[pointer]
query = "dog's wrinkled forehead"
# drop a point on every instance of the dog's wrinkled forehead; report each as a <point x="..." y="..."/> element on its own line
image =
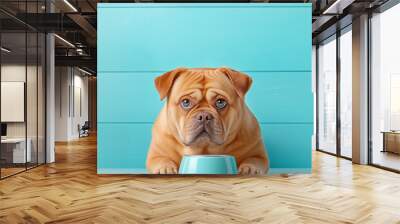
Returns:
<point x="204" y="80"/>
<point x="219" y="78"/>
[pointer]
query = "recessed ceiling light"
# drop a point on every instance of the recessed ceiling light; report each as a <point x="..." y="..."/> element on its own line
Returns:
<point x="338" y="6"/>
<point x="65" y="41"/>
<point x="5" y="50"/>
<point x="84" y="71"/>
<point x="70" y="5"/>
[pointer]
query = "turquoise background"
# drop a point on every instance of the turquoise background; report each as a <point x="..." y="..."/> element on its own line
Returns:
<point x="269" y="42"/>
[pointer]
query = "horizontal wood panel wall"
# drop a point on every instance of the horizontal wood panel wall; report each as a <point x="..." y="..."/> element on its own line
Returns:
<point x="137" y="42"/>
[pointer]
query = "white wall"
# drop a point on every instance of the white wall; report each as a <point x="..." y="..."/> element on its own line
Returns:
<point x="13" y="101"/>
<point x="33" y="127"/>
<point x="62" y="82"/>
<point x="16" y="72"/>
<point x="70" y="84"/>
<point x="79" y="117"/>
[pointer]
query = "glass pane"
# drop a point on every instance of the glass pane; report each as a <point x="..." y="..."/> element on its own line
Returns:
<point x="41" y="98"/>
<point x="32" y="95"/>
<point x="13" y="88"/>
<point x="327" y="96"/>
<point x="386" y="89"/>
<point x="346" y="94"/>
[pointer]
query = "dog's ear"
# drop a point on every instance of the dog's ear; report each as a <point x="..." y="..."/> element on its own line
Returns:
<point x="165" y="81"/>
<point x="241" y="81"/>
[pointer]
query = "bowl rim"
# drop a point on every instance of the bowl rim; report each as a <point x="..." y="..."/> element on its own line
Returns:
<point x="209" y="156"/>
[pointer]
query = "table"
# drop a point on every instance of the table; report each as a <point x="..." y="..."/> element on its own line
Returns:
<point x="17" y="150"/>
<point x="391" y="141"/>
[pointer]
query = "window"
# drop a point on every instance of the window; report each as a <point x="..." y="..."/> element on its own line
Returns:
<point x="327" y="95"/>
<point x="22" y="78"/>
<point x="346" y="92"/>
<point x="385" y="89"/>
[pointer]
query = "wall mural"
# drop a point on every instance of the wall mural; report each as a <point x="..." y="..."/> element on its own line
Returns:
<point x="204" y="88"/>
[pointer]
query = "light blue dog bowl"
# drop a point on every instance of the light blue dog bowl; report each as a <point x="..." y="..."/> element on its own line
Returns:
<point x="208" y="164"/>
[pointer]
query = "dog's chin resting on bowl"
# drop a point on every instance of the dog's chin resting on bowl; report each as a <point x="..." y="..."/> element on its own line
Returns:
<point x="205" y="114"/>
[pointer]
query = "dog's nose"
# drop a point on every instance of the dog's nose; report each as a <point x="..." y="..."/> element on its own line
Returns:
<point x="204" y="116"/>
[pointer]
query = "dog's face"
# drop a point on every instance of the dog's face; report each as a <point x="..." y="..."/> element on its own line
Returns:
<point x="204" y="106"/>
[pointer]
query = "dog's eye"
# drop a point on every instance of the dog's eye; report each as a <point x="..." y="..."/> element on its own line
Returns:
<point x="220" y="104"/>
<point x="186" y="104"/>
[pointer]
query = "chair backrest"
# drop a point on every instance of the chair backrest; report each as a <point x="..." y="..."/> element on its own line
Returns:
<point x="86" y="125"/>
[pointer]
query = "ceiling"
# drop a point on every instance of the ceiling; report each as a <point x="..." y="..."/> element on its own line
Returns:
<point x="75" y="22"/>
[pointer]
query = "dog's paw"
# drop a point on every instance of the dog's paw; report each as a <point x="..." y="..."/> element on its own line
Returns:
<point x="250" y="169"/>
<point x="166" y="168"/>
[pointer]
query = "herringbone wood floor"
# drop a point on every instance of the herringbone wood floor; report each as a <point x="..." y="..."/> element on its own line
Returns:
<point x="70" y="191"/>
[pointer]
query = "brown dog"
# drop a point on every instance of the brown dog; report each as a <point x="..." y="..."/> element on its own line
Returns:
<point x="205" y="113"/>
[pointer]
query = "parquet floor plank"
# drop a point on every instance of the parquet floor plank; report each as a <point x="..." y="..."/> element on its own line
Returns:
<point x="70" y="191"/>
